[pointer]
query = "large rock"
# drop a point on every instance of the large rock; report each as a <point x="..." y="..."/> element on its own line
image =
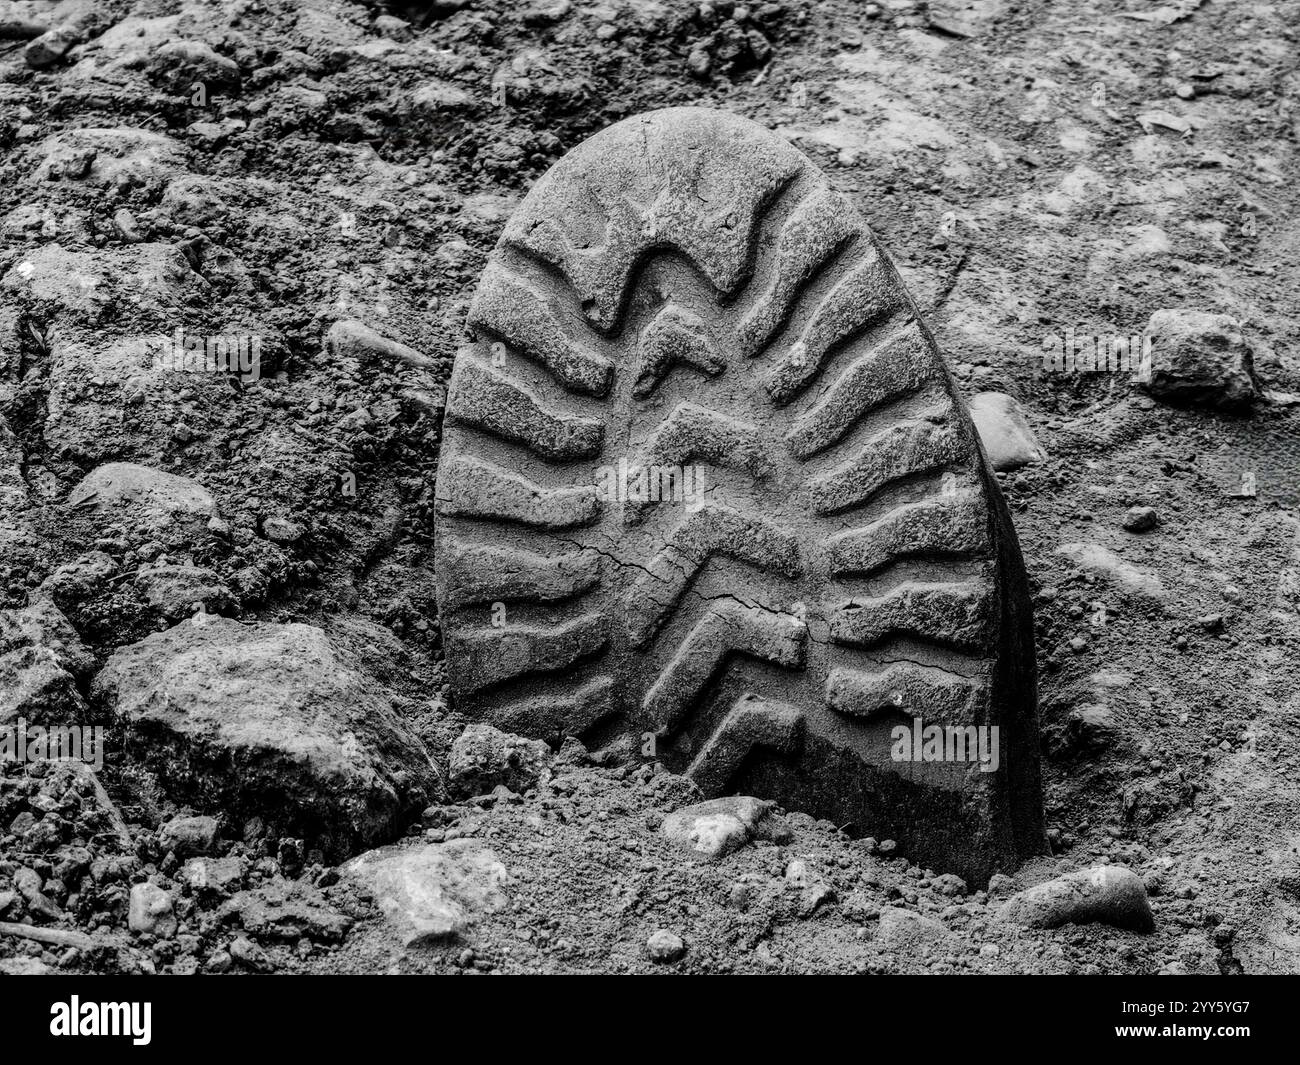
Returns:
<point x="1199" y="357"/>
<point x="1004" y="431"/>
<point x="433" y="891"/>
<point x="274" y="721"/>
<point x="78" y="289"/>
<point x="41" y="657"/>
<point x="1109" y="894"/>
<point x="483" y="757"/>
<point x="169" y="506"/>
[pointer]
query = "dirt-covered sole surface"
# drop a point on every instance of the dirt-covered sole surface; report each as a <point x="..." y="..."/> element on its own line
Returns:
<point x="707" y="486"/>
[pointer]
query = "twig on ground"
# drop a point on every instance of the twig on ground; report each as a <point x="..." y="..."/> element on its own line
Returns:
<point x="110" y="808"/>
<point x="55" y="937"/>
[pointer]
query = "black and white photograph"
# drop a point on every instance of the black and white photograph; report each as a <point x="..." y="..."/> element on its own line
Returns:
<point x="649" y="487"/>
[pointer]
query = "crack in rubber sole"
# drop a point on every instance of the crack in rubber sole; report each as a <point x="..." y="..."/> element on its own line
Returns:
<point x="707" y="489"/>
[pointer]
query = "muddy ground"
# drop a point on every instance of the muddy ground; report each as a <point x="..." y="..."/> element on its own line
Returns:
<point x="1032" y="167"/>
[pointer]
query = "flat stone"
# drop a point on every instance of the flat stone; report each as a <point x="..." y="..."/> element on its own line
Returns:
<point x="71" y="280"/>
<point x="1105" y="563"/>
<point x="273" y="721"/>
<point x="715" y="828"/>
<point x="1004" y="431"/>
<point x="82" y="288"/>
<point x="159" y="500"/>
<point x="434" y="891"/>
<point x="27" y="220"/>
